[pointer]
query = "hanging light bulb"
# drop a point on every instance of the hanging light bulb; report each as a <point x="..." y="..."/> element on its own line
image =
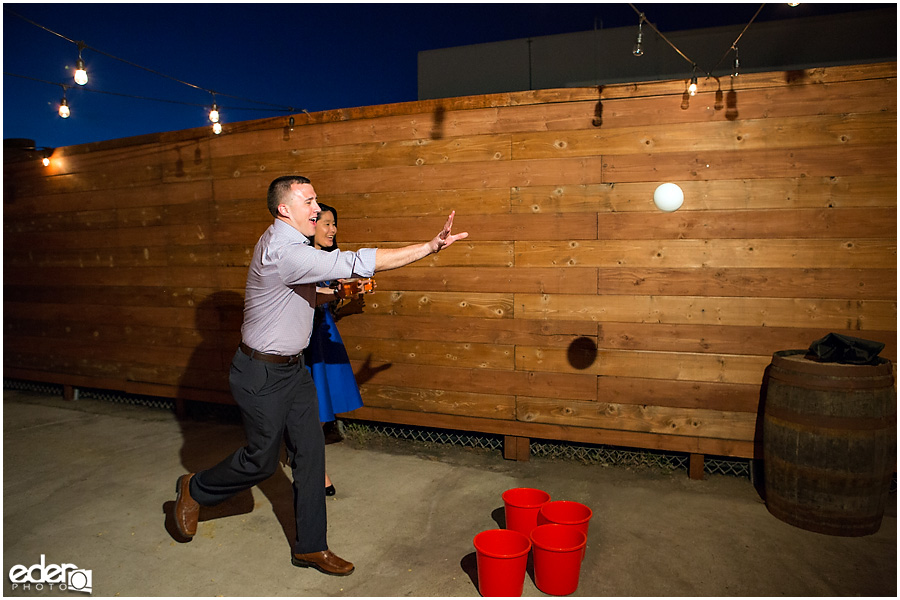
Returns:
<point x="638" y="48"/>
<point x="64" y="108"/>
<point x="81" y="77"/>
<point x="217" y="128"/>
<point x="692" y="89"/>
<point x="737" y="64"/>
<point x="45" y="155"/>
<point x="214" y="113"/>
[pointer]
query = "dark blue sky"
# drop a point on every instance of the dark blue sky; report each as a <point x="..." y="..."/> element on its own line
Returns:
<point x="306" y="56"/>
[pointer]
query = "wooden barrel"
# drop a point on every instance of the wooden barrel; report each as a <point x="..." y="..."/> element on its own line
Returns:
<point x="829" y="443"/>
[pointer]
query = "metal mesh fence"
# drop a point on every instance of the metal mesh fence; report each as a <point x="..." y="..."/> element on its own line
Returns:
<point x="552" y="449"/>
<point x="52" y="389"/>
<point x="420" y="434"/>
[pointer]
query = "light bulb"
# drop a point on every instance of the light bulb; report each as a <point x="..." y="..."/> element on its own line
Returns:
<point x="64" y="109"/>
<point x="217" y="128"/>
<point x="46" y="161"/>
<point x="638" y="49"/>
<point x="692" y="89"/>
<point x="214" y="113"/>
<point x="737" y="64"/>
<point x="81" y="77"/>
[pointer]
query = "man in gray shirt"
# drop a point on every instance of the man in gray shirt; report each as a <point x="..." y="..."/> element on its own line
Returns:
<point x="268" y="378"/>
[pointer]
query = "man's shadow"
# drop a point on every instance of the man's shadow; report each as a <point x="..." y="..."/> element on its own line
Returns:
<point x="210" y="421"/>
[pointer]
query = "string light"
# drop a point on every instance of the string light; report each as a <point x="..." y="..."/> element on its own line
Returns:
<point x="64" y="106"/>
<point x="214" y="117"/>
<point x="692" y="88"/>
<point x="81" y="77"/>
<point x="43" y="152"/>
<point x="736" y="40"/>
<point x="659" y="33"/>
<point x="96" y="91"/>
<point x="638" y="49"/>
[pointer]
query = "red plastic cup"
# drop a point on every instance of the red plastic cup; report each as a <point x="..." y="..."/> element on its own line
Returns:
<point x="521" y="507"/>
<point x="558" y="550"/>
<point x="564" y="512"/>
<point x="501" y="557"/>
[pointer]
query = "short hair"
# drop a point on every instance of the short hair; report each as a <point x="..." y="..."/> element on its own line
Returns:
<point x="279" y="188"/>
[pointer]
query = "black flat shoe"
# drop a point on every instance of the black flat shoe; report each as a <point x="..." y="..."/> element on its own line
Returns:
<point x="332" y="433"/>
<point x="330" y="491"/>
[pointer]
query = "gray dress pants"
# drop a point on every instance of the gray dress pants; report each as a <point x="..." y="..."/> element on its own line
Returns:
<point x="278" y="402"/>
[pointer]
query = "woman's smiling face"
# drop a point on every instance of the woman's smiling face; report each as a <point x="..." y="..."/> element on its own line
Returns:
<point x="326" y="230"/>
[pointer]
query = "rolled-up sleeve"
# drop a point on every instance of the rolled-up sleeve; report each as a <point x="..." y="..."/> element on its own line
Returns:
<point x="300" y="264"/>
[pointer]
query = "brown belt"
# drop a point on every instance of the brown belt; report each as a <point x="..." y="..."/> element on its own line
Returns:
<point x="271" y="358"/>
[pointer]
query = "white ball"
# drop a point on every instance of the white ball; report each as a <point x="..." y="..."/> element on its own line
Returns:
<point x="668" y="197"/>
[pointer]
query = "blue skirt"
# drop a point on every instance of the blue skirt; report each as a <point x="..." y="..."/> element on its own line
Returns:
<point x="327" y="361"/>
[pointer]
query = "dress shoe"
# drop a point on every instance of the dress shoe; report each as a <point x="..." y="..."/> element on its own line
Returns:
<point x="330" y="491"/>
<point x="326" y="561"/>
<point x="187" y="510"/>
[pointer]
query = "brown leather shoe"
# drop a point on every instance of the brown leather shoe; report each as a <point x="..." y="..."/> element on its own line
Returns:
<point x="187" y="511"/>
<point x="326" y="561"/>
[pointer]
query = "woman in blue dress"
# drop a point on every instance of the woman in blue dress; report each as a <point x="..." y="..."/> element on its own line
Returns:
<point x="326" y="357"/>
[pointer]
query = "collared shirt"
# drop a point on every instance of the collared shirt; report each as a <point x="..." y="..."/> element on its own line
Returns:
<point x="280" y="296"/>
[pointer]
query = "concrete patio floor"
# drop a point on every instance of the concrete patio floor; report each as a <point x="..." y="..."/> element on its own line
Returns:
<point x="90" y="483"/>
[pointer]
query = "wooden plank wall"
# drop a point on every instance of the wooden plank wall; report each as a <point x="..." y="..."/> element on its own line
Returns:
<point x="575" y="310"/>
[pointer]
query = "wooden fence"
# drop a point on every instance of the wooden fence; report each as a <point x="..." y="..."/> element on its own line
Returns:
<point x="574" y="311"/>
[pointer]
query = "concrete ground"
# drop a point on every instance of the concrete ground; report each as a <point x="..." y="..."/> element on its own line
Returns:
<point x="90" y="483"/>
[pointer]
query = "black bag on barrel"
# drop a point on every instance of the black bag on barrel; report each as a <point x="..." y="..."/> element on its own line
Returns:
<point x="845" y="349"/>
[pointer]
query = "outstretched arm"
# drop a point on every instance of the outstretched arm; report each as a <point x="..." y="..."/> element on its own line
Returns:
<point x="393" y="258"/>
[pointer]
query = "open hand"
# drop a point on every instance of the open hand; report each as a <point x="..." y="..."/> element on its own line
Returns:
<point x="445" y="238"/>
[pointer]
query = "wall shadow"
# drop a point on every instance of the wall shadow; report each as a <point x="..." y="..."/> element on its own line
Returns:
<point x="437" y="127"/>
<point x="597" y="121"/>
<point x="795" y="77"/>
<point x="582" y="353"/>
<point x="212" y="431"/>
<point x="367" y="371"/>
<point x="731" y="104"/>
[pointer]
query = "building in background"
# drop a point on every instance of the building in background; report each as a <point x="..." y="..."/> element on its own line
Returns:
<point x="604" y="56"/>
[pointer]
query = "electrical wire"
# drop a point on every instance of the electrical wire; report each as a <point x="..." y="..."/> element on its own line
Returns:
<point x="682" y="54"/>
<point x="96" y="91"/>
<point x="83" y="45"/>
<point x="653" y="27"/>
<point x="734" y="43"/>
